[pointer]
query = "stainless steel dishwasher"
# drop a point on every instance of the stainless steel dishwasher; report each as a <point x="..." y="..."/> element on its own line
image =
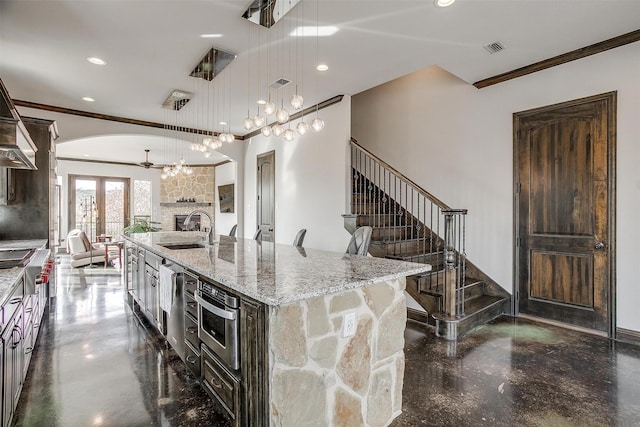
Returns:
<point x="175" y="317"/>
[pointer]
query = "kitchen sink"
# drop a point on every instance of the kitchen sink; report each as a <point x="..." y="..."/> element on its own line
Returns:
<point x="194" y="245"/>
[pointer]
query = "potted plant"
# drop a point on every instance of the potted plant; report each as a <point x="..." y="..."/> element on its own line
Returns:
<point x="141" y="226"/>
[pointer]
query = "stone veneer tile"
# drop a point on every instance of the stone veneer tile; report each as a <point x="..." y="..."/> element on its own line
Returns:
<point x="337" y="323"/>
<point x="399" y="381"/>
<point x="299" y="399"/>
<point x="345" y="301"/>
<point x="317" y="318"/>
<point x="347" y="411"/>
<point x="324" y="352"/>
<point x="354" y="366"/>
<point x="391" y="330"/>
<point x="289" y="344"/>
<point x="379" y="297"/>
<point x="379" y="398"/>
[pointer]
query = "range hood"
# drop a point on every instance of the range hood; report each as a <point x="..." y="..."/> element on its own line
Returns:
<point x="17" y="149"/>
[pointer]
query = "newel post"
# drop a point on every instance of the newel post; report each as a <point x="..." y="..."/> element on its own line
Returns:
<point x="454" y="258"/>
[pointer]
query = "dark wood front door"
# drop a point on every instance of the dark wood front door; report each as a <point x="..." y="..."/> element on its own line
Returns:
<point x="564" y="185"/>
<point x="266" y="198"/>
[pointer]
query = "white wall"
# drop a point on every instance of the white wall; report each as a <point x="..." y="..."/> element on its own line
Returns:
<point x="456" y="141"/>
<point x="226" y="174"/>
<point x="311" y="182"/>
<point x="66" y="168"/>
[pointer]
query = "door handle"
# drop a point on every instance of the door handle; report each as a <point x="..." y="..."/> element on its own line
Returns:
<point x="599" y="246"/>
<point x="271" y="229"/>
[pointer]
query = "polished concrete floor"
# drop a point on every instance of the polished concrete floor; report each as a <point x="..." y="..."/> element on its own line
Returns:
<point x="97" y="365"/>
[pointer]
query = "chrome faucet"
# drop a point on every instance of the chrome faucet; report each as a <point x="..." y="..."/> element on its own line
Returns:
<point x="200" y="211"/>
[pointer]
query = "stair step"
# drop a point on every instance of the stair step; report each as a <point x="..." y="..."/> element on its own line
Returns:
<point x="436" y="259"/>
<point x="404" y="248"/>
<point x="370" y="208"/>
<point x="399" y="232"/>
<point x="379" y="220"/>
<point x="478" y="311"/>
<point x="433" y="285"/>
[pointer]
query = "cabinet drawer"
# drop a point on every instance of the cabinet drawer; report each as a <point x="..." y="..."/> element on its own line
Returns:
<point x="190" y="284"/>
<point x="192" y="360"/>
<point x="190" y="306"/>
<point x="13" y="303"/>
<point x="220" y="383"/>
<point x="191" y="331"/>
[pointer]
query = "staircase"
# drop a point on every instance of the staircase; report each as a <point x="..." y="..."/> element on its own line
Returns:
<point x="410" y="224"/>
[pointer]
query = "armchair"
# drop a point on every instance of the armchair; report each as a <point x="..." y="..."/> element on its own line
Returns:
<point x="83" y="252"/>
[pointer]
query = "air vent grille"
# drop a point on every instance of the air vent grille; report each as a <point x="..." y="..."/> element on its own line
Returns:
<point x="177" y="99"/>
<point x="281" y="82"/>
<point x="495" y="47"/>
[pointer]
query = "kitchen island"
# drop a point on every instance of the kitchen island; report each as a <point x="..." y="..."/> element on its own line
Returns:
<point x="321" y="333"/>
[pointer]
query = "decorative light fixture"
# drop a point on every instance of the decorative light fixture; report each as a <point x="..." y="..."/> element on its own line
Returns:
<point x="317" y="124"/>
<point x="289" y="135"/>
<point x="269" y="108"/>
<point x="277" y="130"/>
<point x="302" y="127"/>
<point x="266" y="131"/>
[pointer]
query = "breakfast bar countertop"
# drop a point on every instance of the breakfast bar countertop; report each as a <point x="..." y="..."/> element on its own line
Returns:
<point x="276" y="274"/>
<point x="9" y="276"/>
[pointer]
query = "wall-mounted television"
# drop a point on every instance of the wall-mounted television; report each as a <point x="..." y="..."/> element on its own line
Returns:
<point x="226" y="198"/>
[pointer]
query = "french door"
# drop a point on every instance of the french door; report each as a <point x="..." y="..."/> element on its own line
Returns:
<point x="98" y="205"/>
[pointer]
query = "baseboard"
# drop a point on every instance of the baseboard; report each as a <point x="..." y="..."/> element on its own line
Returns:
<point x="628" y="336"/>
<point x="417" y="315"/>
<point x="562" y="325"/>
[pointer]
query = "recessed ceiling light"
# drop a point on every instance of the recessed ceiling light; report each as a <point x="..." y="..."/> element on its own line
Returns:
<point x="444" y="3"/>
<point x="322" y="67"/>
<point x="96" y="61"/>
<point x="313" y="31"/>
<point x="210" y="36"/>
<point x="223" y="123"/>
<point x="86" y="155"/>
<point x="88" y="99"/>
<point x="261" y="101"/>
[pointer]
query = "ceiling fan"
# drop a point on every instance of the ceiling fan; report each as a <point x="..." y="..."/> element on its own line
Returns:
<point x="146" y="164"/>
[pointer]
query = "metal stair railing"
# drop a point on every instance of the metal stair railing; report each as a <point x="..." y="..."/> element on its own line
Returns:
<point x="412" y="224"/>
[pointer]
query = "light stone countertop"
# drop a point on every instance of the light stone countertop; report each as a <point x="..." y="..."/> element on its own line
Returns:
<point x="9" y="276"/>
<point x="276" y="274"/>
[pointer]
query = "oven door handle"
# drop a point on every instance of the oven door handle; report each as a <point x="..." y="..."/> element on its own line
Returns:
<point x="230" y="315"/>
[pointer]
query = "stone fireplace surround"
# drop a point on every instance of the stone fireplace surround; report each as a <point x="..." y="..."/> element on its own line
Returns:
<point x="199" y="186"/>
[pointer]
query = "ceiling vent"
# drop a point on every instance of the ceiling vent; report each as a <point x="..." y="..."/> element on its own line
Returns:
<point x="177" y="99"/>
<point x="494" y="47"/>
<point x="281" y="82"/>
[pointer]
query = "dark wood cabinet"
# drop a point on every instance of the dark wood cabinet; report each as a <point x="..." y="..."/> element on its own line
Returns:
<point x="221" y="384"/>
<point x="35" y="190"/>
<point x="254" y="359"/>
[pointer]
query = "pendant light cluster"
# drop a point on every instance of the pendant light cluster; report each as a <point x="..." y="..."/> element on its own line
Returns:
<point x="173" y="169"/>
<point x="275" y="120"/>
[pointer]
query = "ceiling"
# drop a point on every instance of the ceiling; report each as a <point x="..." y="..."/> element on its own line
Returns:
<point x="151" y="47"/>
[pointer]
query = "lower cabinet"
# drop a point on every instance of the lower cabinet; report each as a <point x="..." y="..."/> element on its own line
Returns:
<point x="222" y="384"/>
<point x="13" y="366"/>
<point x="22" y="315"/>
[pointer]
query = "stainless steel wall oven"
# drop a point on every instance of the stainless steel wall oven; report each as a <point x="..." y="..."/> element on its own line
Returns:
<point x="218" y="323"/>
